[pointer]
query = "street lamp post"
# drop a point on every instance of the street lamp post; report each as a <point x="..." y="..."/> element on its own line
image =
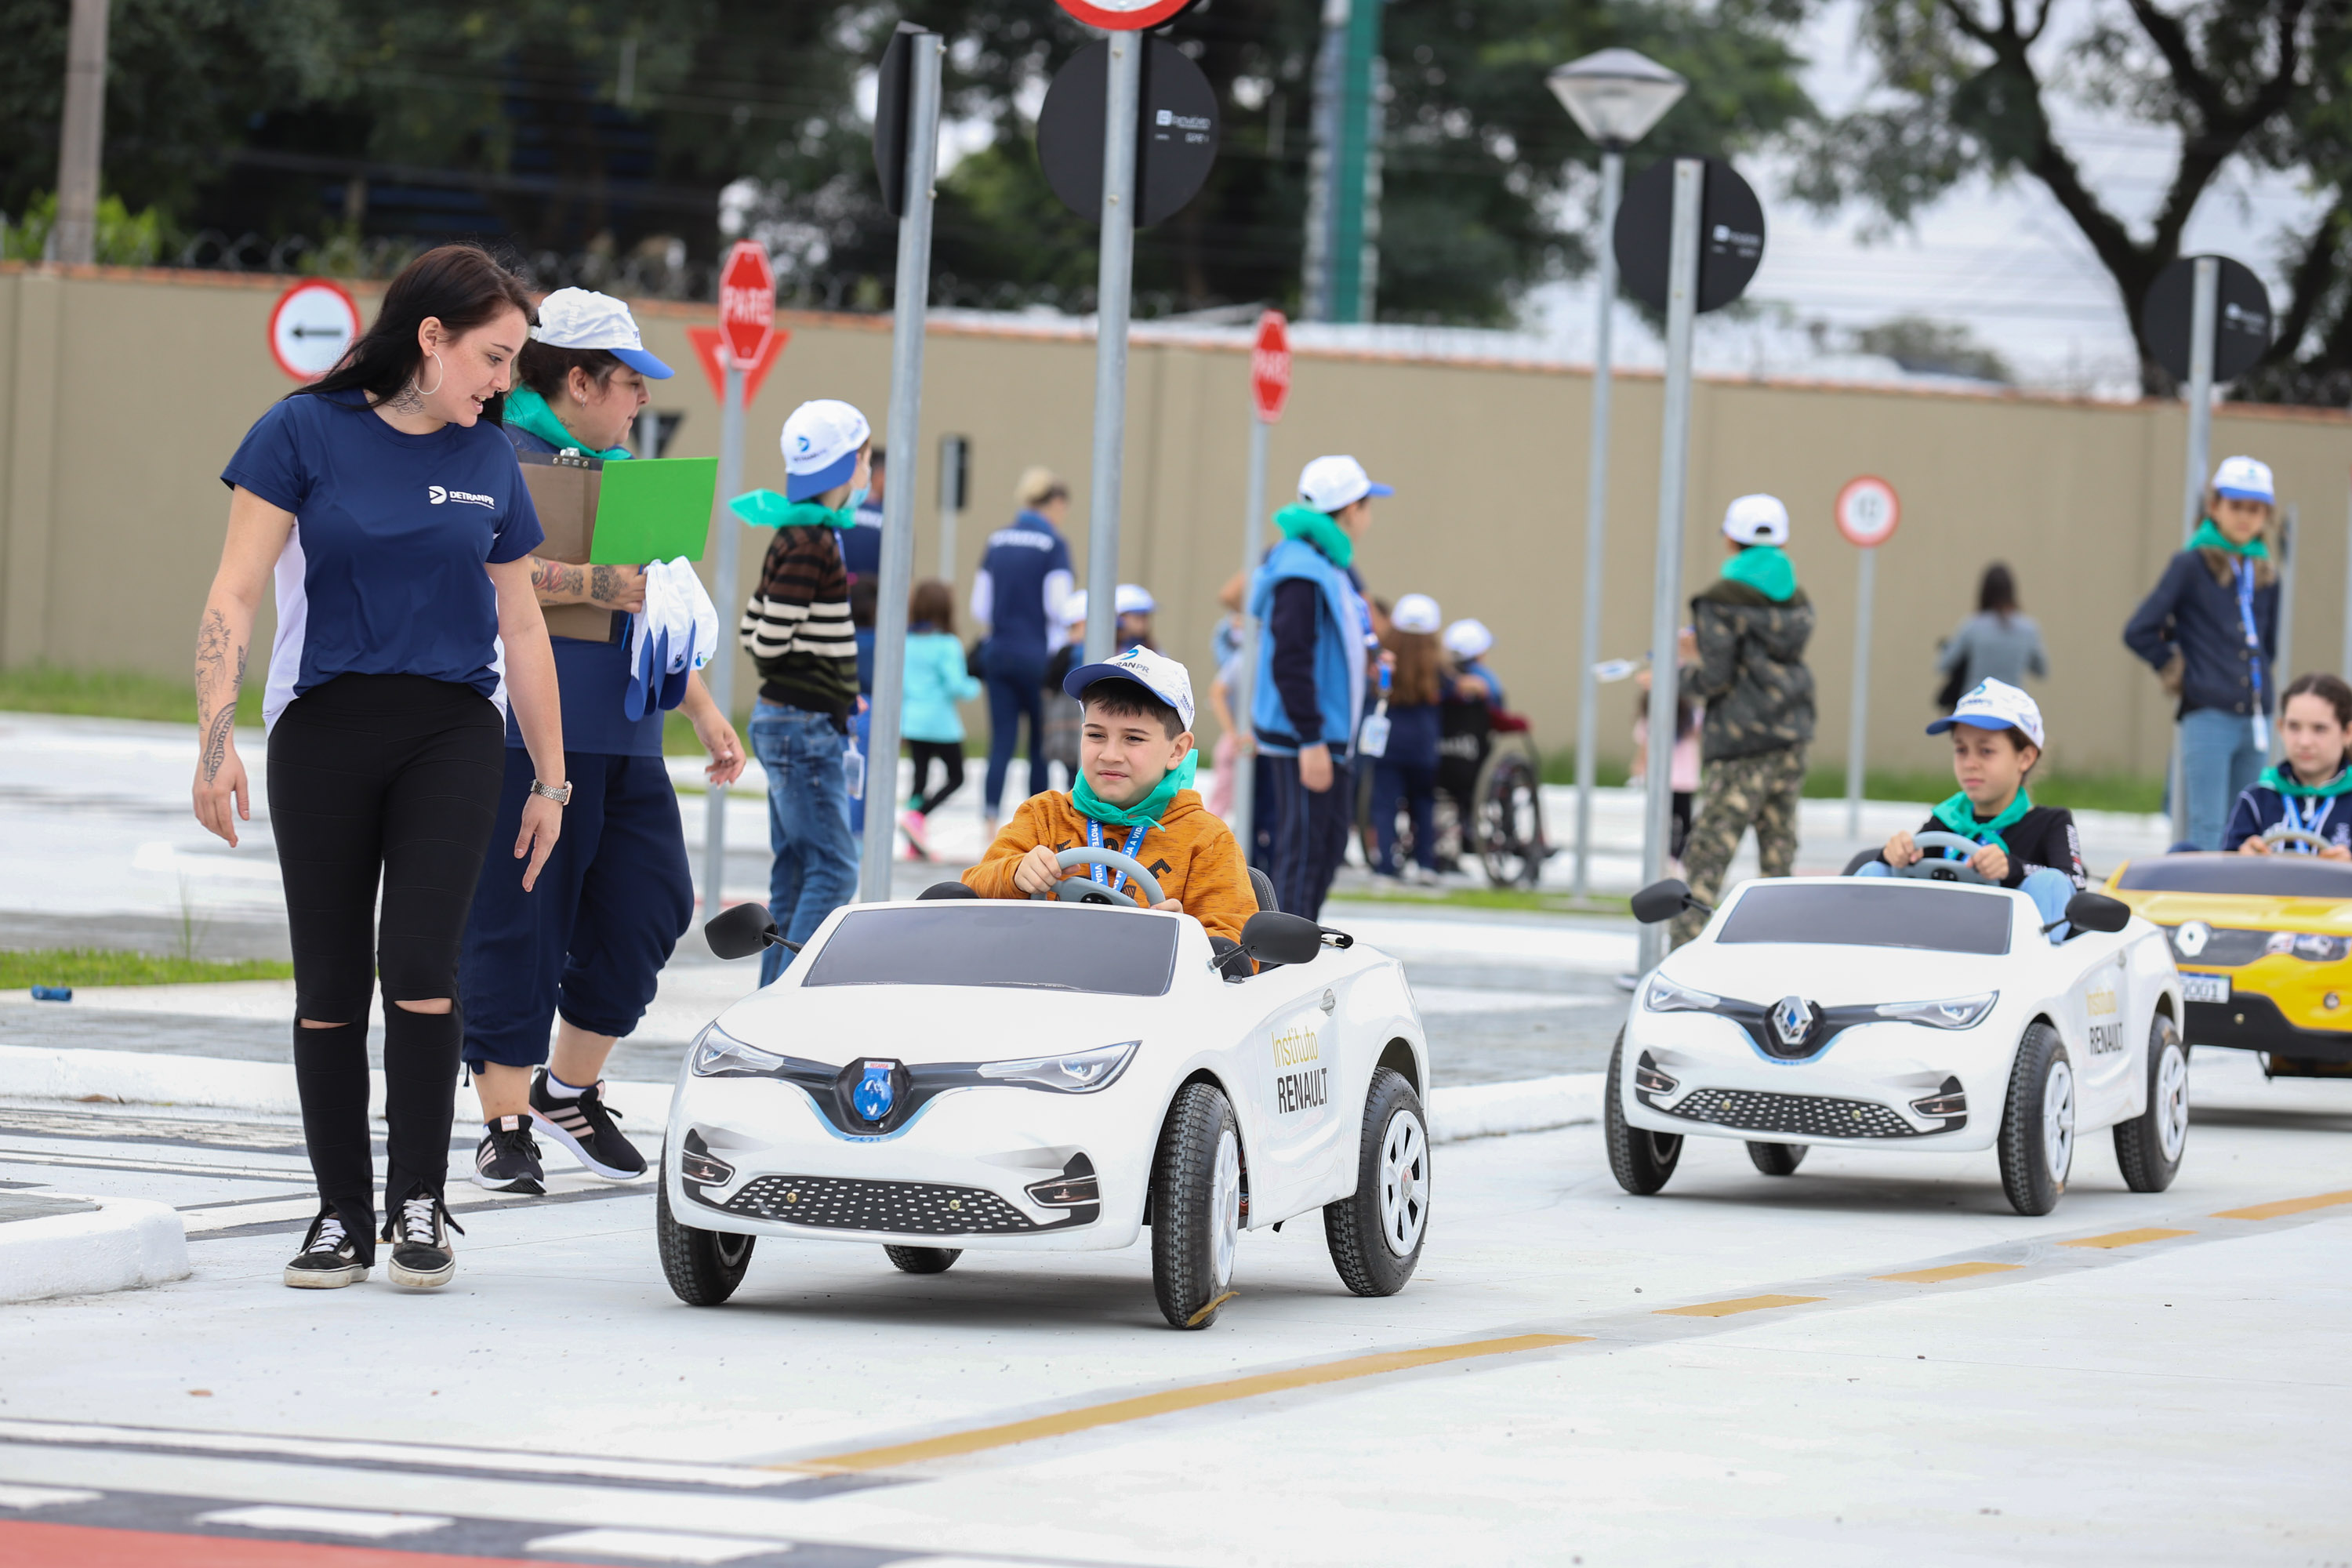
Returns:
<point x="1616" y="95"/>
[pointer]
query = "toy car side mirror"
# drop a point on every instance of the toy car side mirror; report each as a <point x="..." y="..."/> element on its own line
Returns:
<point x="1271" y="937"/>
<point x="742" y="931"/>
<point x="1665" y="900"/>
<point x="2097" y="911"/>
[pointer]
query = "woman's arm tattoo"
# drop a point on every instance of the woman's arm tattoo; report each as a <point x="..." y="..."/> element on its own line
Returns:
<point x="217" y="688"/>
<point x="607" y="587"/>
<point x="555" y="581"/>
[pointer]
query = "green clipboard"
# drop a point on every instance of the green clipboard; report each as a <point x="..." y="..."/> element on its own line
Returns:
<point x="652" y="508"/>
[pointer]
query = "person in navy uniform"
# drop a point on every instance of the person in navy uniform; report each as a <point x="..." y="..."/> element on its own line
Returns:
<point x="1024" y="584"/>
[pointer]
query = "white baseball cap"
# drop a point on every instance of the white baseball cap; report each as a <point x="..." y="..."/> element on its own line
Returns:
<point x="1326" y="484"/>
<point x="821" y="441"/>
<point x="1416" y="613"/>
<point x="584" y="318"/>
<point x="1756" y="519"/>
<point x="2244" y="479"/>
<point x="1468" y="638"/>
<point x="1995" y="705"/>
<point x="1074" y="606"/>
<point x="1155" y="672"/>
<point x="1135" y="599"/>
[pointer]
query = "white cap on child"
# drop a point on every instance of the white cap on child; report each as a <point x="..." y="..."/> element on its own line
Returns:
<point x="1416" y="613"/>
<point x="1155" y="672"/>
<point x="1135" y="599"/>
<point x="821" y="440"/>
<point x="2244" y="479"/>
<point x="1756" y="519"/>
<point x="1468" y="638"/>
<point x="1995" y="705"/>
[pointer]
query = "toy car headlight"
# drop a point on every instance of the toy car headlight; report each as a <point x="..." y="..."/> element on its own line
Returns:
<point x="2308" y="945"/>
<point x="717" y="1054"/>
<point x="1081" y="1072"/>
<point x="1955" y="1013"/>
<point x="1664" y="996"/>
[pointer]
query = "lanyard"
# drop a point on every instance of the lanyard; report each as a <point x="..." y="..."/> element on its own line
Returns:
<point x="2308" y="815"/>
<point x="1095" y="839"/>
<point x="2254" y="651"/>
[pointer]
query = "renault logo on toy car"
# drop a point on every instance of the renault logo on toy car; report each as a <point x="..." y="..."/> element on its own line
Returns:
<point x="1793" y="1020"/>
<point x="2190" y="939"/>
<point x="873" y="1096"/>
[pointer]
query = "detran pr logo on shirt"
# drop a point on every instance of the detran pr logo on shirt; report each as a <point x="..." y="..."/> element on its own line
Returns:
<point x="438" y="495"/>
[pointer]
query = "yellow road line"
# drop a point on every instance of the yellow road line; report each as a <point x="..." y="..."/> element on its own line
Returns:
<point x="1144" y="1406"/>
<point x="2286" y="1206"/>
<point x="1744" y="1304"/>
<point x="1950" y="1271"/>
<point x="2126" y="1237"/>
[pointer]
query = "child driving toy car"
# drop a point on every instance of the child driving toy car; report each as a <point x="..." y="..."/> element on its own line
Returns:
<point x="1996" y="742"/>
<point x="2305" y="789"/>
<point x="1135" y="761"/>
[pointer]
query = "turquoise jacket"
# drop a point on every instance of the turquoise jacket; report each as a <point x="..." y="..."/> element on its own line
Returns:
<point x="936" y="681"/>
<point x="1340" y="627"/>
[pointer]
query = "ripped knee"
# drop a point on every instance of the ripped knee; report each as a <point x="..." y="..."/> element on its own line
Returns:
<point x="435" y="1005"/>
<point x="322" y="1024"/>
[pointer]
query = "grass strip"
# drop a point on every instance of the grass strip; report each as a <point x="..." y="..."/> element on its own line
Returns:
<point x="41" y="688"/>
<point x="22" y="967"/>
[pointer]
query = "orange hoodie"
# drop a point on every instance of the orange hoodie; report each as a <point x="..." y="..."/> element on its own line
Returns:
<point x="1192" y="853"/>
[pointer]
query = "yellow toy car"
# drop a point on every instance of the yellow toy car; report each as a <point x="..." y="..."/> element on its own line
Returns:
<point x="2264" y="948"/>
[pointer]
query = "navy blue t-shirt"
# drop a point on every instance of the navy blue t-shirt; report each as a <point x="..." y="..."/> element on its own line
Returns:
<point x="593" y="677"/>
<point x="383" y="574"/>
<point x="861" y="547"/>
<point x="1017" y="560"/>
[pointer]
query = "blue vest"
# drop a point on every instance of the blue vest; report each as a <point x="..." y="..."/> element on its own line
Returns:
<point x="1341" y="628"/>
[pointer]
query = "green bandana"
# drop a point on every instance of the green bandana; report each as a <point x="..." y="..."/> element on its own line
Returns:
<point x="1318" y="530"/>
<point x="1144" y="812"/>
<point x="2209" y="537"/>
<point x="1959" y="816"/>
<point x="527" y="410"/>
<point x="1764" y="568"/>
<point x="766" y="509"/>
<point x="2278" y="779"/>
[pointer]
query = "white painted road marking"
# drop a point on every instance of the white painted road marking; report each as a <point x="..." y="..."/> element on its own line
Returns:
<point x="325" y="1520"/>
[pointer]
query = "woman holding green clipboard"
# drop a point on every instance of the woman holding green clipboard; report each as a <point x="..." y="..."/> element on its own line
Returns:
<point x="589" y="943"/>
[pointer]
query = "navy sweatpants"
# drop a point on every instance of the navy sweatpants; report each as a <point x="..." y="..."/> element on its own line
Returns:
<point x="1310" y="835"/>
<point x="589" y="941"/>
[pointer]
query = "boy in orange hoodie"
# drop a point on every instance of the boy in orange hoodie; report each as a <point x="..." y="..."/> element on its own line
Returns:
<point x="1135" y="759"/>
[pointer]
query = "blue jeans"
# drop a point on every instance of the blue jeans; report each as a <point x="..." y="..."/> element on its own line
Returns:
<point x="2050" y="891"/>
<point x="1015" y="691"/>
<point x="1415" y="786"/>
<point x="808" y="823"/>
<point x="2219" y="762"/>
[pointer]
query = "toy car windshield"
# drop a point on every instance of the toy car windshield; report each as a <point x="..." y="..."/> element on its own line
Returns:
<point x="1039" y="947"/>
<point x="1858" y="913"/>
<point x="2256" y="875"/>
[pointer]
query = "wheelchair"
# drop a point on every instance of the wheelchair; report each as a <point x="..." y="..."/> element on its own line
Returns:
<point x="1489" y="798"/>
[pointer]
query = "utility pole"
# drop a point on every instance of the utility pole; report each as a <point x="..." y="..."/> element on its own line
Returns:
<point x="82" y="139"/>
<point x="1344" y="184"/>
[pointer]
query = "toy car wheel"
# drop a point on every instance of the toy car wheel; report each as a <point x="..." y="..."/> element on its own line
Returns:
<point x="2037" y="1125"/>
<point x="923" y="1260"/>
<point x="1640" y="1159"/>
<point x="1196" y="1207"/>
<point x="2148" y="1147"/>
<point x="1375" y="1236"/>
<point x="703" y="1266"/>
<point x="1777" y="1159"/>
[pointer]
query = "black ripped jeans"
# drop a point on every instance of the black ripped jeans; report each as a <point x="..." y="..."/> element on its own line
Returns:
<point x="390" y="779"/>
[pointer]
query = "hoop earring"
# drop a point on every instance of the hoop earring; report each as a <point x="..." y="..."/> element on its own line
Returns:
<point x="429" y="391"/>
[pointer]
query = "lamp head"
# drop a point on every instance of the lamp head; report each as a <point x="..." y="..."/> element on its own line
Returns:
<point x="1616" y="95"/>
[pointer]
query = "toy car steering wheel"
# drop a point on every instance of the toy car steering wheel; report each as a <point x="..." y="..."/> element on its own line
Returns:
<point x="1937" y="870"/>
<point x="1082" y="891"/>
<point x="2283" y="834"/>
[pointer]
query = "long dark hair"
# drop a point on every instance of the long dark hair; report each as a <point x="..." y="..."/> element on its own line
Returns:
<point x="458" y="283"/>
<point x="2329" y="689"/>
<point x="933" y="604"/>
<point x="1997" y="595"/>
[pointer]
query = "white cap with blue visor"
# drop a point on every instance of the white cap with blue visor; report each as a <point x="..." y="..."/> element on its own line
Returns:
<point x="1995" y="705"/>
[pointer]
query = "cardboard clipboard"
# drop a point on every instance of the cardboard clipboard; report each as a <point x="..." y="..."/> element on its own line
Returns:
<point x="658" y="511"/>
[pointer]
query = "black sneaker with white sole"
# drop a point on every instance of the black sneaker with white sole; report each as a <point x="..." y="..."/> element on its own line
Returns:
<point x="583" y="1124"/>
<point x="418" y="1227"/>
<point x="507" y="1161"/>
<point x="329" y="1259"/>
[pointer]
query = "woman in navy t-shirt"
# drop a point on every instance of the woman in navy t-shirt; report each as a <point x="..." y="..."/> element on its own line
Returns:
<point x="395" y="521"/>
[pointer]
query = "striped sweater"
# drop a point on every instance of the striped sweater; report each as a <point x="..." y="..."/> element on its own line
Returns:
<point x="796" y="626"/>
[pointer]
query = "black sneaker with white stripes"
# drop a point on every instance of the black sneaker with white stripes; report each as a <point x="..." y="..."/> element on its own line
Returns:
<point x="506" y="1160"/>
<point x="329" y="1259"/>
<point x="583" y="1124"/>
<point x="418" y="1227"/>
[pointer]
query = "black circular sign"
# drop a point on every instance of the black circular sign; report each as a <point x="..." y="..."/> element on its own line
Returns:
<point x="2242" y="318"/>
<point x="1731" y="235"/>
<point x="1175" y="136"/>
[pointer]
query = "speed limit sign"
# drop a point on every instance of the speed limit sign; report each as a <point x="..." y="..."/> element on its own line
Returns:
<point x="1867" y="511"/>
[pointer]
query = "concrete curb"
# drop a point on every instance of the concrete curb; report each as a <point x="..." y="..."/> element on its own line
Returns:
<point x="137" y="1078"/>
<point x="124" y="1244"/>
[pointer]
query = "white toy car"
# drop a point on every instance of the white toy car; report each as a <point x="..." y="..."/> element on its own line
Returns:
<point x="1052" y="1076"/>
<point x="1925" y="1011"/>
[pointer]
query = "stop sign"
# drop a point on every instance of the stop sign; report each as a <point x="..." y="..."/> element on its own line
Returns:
<point x="747" y="301"/>
<point x="1270" y="366"/>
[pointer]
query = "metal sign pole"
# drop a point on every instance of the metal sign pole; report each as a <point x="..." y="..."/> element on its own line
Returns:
<point x="913" y="290"/>
<point x="1866" y="585"/>
<point x="1245" y="697"/>
<point x="2201" y="321"/>
<point x="1124" y="90"/>
<point x="1665" y="605"/>
<point x="1596" y="513"/>
<point x="720" y="673"/>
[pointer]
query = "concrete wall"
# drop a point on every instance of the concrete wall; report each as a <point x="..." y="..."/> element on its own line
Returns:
<point x="123" y="392"/>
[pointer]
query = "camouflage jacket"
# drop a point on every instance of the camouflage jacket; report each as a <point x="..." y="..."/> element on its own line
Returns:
<point x="1751" y="670"/>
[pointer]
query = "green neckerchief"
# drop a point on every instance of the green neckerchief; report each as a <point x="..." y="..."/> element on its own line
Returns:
<point x="2277" y="779"/>
<point x="1764" y="568"/>
<point x="2209" y="537"/>
<point x="1960" y="816"/>
<point x="1318" y="530"/>
<point x="1143" y="812"/>
<point x="527" y="410"/>
<point x="766" y="509"/>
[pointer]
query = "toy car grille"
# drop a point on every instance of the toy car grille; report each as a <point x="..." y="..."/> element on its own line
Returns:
<point x="904" y="1209"/>
<point x="1816" y="1115"/>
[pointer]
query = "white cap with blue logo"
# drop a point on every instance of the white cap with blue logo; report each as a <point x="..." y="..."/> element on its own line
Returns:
<point x="1328" y="484"/>
<point x="584" y="318"/>
<point x="2244" y="479"/>
<point x="821" y="441"/>
<point x="1995" y="705"/>
<point x="1155" y="672"/>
